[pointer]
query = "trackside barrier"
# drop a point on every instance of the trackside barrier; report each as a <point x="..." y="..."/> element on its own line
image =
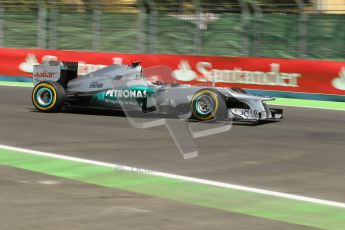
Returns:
<point x="309" y="79"/>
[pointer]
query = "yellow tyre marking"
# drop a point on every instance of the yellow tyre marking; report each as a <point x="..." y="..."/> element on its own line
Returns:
<point x="213" y="95"/>
<point x="34" y="96"/>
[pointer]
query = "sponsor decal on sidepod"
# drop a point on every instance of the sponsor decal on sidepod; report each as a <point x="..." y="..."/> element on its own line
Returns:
<point x="96" y="85"/>
<point x="114" y="93"/>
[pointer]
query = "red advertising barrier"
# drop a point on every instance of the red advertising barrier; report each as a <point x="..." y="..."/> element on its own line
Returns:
<point x="284" y="75"/>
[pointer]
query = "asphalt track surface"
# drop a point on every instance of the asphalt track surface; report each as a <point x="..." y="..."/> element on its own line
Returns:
<point x="303" y="154"/>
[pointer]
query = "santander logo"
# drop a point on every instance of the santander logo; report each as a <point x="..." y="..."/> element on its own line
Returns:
<point x="236" y="75"/>
<point x="184" y="72"/>
<point x="339" y="82"/>
<point x="31" y="60"/>
<point x="28" y="64"/>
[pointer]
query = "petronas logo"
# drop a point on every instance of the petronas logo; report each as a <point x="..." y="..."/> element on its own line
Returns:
<point x="125" y="93"/>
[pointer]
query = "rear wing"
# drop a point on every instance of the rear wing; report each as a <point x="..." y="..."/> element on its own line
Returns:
<point x="61" y="72"/>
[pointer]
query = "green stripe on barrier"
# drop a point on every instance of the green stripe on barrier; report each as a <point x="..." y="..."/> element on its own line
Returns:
<point x="226" y="199"/>
<point x="18" y="84"/>
<point x="308" y="103"/>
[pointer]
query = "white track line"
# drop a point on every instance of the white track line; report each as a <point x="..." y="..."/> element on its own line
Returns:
<point x="178" y="177"/>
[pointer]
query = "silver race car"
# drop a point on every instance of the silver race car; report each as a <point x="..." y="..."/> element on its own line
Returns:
<point x="153" y="90"/>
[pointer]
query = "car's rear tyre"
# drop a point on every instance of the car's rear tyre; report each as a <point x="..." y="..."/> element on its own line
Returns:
<point x="48" y="96"/>
<point x="207" y="105"/>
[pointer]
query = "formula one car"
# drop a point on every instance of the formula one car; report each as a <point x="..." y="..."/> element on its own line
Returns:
<point x="131" y="88"/>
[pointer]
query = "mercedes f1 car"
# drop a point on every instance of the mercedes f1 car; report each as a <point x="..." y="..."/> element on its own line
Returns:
<point x="153" y="90"/>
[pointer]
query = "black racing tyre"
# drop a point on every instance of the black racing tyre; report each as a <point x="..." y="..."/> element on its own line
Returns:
<point x="208" y="104"/>
<point x="48" y="96"/>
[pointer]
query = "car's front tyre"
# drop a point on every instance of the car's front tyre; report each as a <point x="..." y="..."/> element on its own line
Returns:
<point x="207" y="105"/>
<point x="48" y="96"/>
